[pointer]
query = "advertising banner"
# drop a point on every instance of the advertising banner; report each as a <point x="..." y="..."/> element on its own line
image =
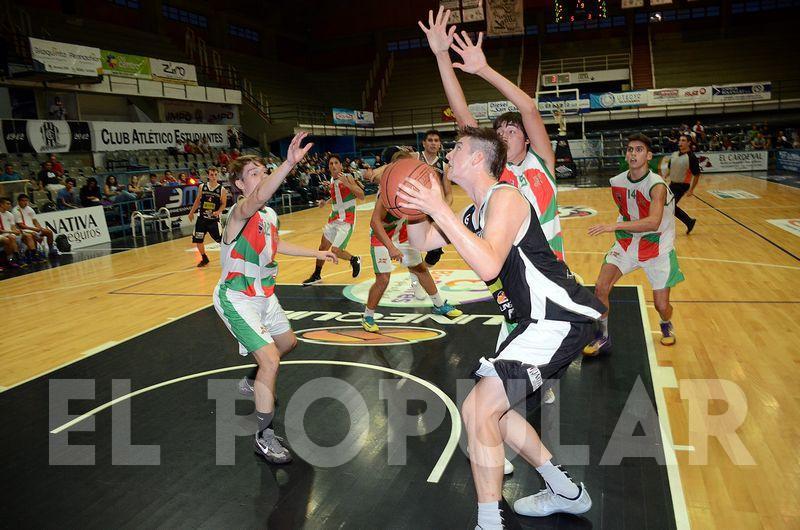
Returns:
<point x="197" y="112"/>
<point x="125" y="65"/>
<point x="172" y="72"/>
<point x="83" y="227"/>
<point x="742" y="92"/>
<point x="732" y="161"/>
<point x="504" y="17"/>
<point x="364" y="117"/>
<point x="64" y="58"/>
<point x="549" y="103"/>
<point x="616" y="100"/>
<point x="679" y="96"/>
<point x="46" y="136"/>
<point x="177" y="199"/>
<point x="789" y="160"/>
<point x="479" y="110"/>
<point x="496" y="108"/>
<point x="344" y="116"/>
<point x="128" y="136"/>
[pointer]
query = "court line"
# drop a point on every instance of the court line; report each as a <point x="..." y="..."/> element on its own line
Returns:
<point x="436" y="472"/>
<point x="719" y="260"/>
<point x="664" y="377"/>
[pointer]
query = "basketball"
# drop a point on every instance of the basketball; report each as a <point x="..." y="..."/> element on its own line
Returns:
<point x="393" y="177"/>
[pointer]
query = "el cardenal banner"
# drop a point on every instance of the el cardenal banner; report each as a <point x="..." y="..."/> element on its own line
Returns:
<point x="128" y="136"/>
<point x="732" y="161"/>
<point x="125" y="65"/>
<point x="83" y="227"/>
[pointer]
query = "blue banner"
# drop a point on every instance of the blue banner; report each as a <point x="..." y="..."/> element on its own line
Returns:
<point x="789" y="160"/>
<point x="344" y="116"/>
<point x="616" y="100"/>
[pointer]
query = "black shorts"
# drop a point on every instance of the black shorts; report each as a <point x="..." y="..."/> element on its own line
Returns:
<point x="205" y="226"/>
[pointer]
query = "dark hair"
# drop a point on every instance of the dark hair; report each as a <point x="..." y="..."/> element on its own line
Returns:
<point x="510" y="118"/>
<point x="70" y="179"/>
<point x="432" y="132"/>
<point x="490" y="144"/>
<point x="236" y="168"/>
<point x="639" y="137"/>
<point x="153" y="175"/>
<point x="5" y="199"/>
<point x="22" y="196"/>
<point x="687" y="136"/>
<point x="9" y="164"/>
<point x="112" y="177"/>
<point x="332" y="156"/>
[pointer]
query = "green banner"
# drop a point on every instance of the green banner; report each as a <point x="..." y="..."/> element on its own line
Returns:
<point x="126" y="65"/>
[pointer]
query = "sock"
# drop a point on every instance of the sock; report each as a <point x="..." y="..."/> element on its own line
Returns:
<point x="318" y="270"/>
<point x="489" y="515"/>
<point x="558" y="481"/>
<point x="604" y="326"/>
<point x="437" y="299"/>
<point x="369" y="312"/>
<point x="264" y="420"/>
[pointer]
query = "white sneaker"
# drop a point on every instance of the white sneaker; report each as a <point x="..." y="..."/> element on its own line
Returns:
<point x="549" y="396"/>
<point x="546" y="503"/>
<point x="508" y="467"/>
<point x="246" y="386"/>
<point x="419" y="291"/>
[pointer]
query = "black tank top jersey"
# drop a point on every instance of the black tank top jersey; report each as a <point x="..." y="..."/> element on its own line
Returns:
<point x="437" y="164"/>
<point x="210" y="200"/>
<point x="533" y="284"/>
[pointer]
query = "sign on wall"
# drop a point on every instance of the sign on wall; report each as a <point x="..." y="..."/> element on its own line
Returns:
<point x="173" y="72"/>
<point x="125" y="65"/>
<point x="64" y="58"/>
<point x="83" y="227"/>
<point x="198" y="112"/>
<point x="46" y="136"/>
<point x="732" y="161"/>
<point x="742" y="92"/>
<point x="129" y="136"/>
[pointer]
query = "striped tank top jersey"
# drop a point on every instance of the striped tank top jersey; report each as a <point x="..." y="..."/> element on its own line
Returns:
<point x="248" y="262"/>
<point x="533" y="285"/>
<point x="633" y="201"/>
<point x="395" y="227"/>
<point x="343" y="203"/>
<point x="534" y="180"/>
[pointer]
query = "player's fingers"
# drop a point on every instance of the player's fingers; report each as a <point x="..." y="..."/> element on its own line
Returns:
<point x="466" y="37"/>
<point x="480" y="39"/>
<point x="422" y="27"/>
<point x="459" y="40"/>
<point x="430" y="17"/>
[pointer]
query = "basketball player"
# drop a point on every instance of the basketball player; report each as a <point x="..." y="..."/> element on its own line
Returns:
<point x="389" y="242"/>
<point x="432" y="155"/>
<point x="344" y="190"/>
<point x="10" y="235"/>
<point x="645" y="237"/>
<point x="244" y="297"/>
<point x="29" y="225"/>
<point x="499" y="237"/>
<point x="211" y="199"/>
<point x="684" y="172"/>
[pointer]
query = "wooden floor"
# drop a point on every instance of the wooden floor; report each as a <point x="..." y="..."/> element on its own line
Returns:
<point x="736" y="318"/>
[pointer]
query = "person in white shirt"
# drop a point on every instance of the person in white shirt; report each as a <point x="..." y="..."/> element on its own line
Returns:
<point x="27" y="222"/>
<point x="10" y="236"/>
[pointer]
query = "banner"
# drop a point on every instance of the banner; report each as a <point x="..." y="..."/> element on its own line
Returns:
<point x="344" y="116"/>
<point x="789" y="160"/>
<point x="679" y="96"/>
<point x="83" y="227"/>
<point x="364" y="117"/>
<point x="732" y="161"/>
<point x="46" y="136"/>
<point x="64" y="58"/>
<point x="616" y="100"/>
<point x="479" y="111"/>
<point x="196" y="112"/>
<point x="448" y="114"/>
<point x="496" y="108"/>
<point x="177" y="199"/>
<point x="125" y="65"/>
<point x="504" y="17"/>
<point x="127" y="136"/>
<point x="742" y="92"/>
<point x="550" y="103"/>
<point x="172" y="72"/>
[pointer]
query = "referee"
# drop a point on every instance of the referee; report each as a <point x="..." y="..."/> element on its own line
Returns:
<point x="684" y="172"/>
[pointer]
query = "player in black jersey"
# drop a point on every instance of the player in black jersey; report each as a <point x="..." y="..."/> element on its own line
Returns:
<point x="433" y="156"/>
<point x="500" y="238"/>
<point x="211" y="200"/>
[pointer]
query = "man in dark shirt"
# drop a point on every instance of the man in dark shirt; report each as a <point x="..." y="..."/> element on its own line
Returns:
<point x="48" y="180"/>
<point x="65" y="200"/>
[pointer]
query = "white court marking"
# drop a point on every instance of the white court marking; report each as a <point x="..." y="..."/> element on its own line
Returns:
<point x="436" y="472"/>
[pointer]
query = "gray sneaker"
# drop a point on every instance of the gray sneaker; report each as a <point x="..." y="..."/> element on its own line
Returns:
<point x="246" y="386"/>
<point x="270" y="446"/>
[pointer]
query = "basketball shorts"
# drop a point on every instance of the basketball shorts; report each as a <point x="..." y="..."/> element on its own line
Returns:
<point x="662" y="271"/>
<point x="253" y="320"/>
<point x="205" y="226"/>
<point x="382" y="263"/>
<point x="533" y="352"/>
<point x="338" y="233"/>
<point x="36" y="235"/>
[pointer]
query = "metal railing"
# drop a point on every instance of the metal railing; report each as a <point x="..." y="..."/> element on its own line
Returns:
<point x="585" y="64"/>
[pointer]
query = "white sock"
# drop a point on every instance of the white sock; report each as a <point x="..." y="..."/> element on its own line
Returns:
<point x="604" y="326"/>
<point x="369" y="312"/>
<point x="558" y="481"/>
<point x="489" y="516"/>
<point x="437" y="299"/>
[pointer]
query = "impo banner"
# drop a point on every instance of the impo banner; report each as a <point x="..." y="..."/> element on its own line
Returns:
<point x="83" y="227"/>
<point x="172" y="72"/>
<point x="504" y="17"/>
<point x="732" y="161"/>
<point x="46" y="136"/>
<point x="125" y="65"/>
<point x="197" y="112"/>
<point x="679" y="96"/>
<point x="127" y="136"/>
<point x="64" y="58"/>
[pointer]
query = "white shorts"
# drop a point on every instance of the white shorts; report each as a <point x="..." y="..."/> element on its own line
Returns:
<point x="662" y="271"/>
<point x="253" y="320"/>
<point x="382" y="263"/>
<point x="338" y="233"/>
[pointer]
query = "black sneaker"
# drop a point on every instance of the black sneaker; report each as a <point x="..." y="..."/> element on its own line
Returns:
<point x="433" y="256"/>
<point x="311" y="280"/>
<point x="690" y="226"/>
<point x="355" y="262"/>
<point x="203" y="262"/>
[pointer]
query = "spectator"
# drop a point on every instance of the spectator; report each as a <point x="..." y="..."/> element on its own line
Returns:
<point x="65" y="200"/>
<point x="752" y="133"/>
<point x="116" y="193"/>
<point x="699" y="131"/>
<point x="727" y="144"/>
<point x="90" y="193"/>
<point x="183" y="178"/>
<point x="133" y="185"/>
<point x="152" y="183"/>
<point x="188" y="148"/>
<point x="714" y="143"/>
<point x="203" y="146"/>
<point x="58" y="167"/>
<point x="48" y="180"/>
<point x="57" y="110"/>
<point x="378" y="162"/>
<point x="27" y="222"/>
<point x="234" y="154"/>
<point x="233" y="139"/>
<point x="9" y="233"/>
<point x="758" y="143"/>
<point x="796" y="140"/>
<point x="223" y="159"/>
<point x="781" y="141"/>
<point x="9" y="174"/>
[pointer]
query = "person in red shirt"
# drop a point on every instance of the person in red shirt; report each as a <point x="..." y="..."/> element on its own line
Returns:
<point x="58" y="167"/>
<point x="234" y="154"/>
<point x="223" y="158"/>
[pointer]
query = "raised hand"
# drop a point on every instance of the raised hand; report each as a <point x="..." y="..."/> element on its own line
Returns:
<point x="472" y="55"/>
<point x="296" y="153"/>
<point x="439" y="37"/>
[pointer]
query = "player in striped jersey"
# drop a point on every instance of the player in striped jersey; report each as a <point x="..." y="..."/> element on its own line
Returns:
<point x="645" y="239"/>
<point x="344" y="190"/>
<point x="245" y="295"/>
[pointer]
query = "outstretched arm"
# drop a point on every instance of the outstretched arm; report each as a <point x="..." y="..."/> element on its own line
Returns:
<point x="290" y="249"/>
<point x="474" y="62"/>
<point x="440" y="39"/>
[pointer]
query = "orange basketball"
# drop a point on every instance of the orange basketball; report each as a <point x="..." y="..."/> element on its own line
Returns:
<point x="394" y="175"/>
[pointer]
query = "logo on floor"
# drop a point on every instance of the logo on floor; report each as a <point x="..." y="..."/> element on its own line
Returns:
<point x="733" y="194"/>
<point x="457" y="287"/>
<point x="571" y="212"/>
<point x="356" y="336"/>
<point x="790" y="225"/>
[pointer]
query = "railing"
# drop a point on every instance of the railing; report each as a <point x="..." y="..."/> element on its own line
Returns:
<point x="591" y="63"/>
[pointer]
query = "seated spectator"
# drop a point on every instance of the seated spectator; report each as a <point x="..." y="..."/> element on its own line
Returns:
<point x="234" y="154"/>
<point x="758" y="143"/>
<point x="796" y="140"/>
<point x="48" y="180"/>
<point x="10" y="234"/>
<point x="169" y="179"/>
<point x="203" y="146"/>
<point x="28" y="223"/>
<point x="152" y="183"/>
<point x="378" y="162"/>
<point x="752" y="133"/>
<point x="183" y="178"/>
<point x="58" y="167"/>
<point x="699" y="131"/>
<point x="90" y="193"/>
<point x="116" y="193"/>
<point x="189" y="148"/>
<point x="10" y="174"/>
<point x="65" y="200"/>
<point x="714" y="143"/>
<point x="133" y="185"/>
<point x="223" y="159"/>
<point x="781" y="141"/>
<point x="727" y="144"/>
